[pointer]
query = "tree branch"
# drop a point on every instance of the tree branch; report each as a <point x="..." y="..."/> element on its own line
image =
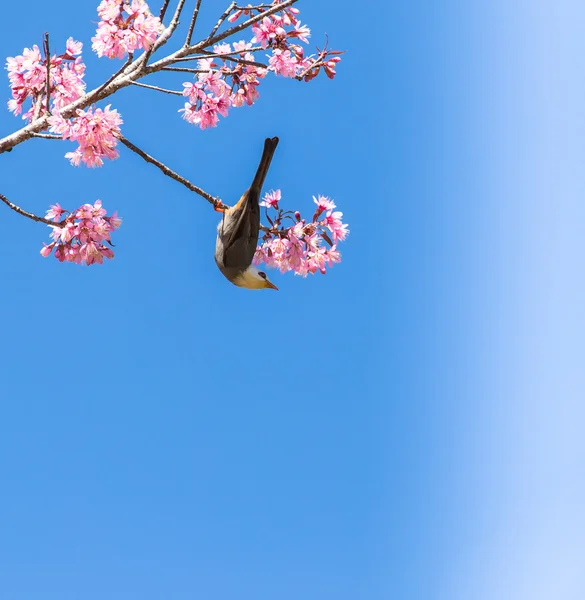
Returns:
<point x="48" y="59"/>
<point x="156" y="88"/>
<point x="118" y="72"/>
<point x="163" y="10"/>
<point x="27" y="214"/>
<point x="215" y="202"/>
<point x="227" y="55"/>
<point x="167" y="33"/>
<point x="237" y="59"/>
<point x="192" y="24"/>
<point x="223" y="17"/>
<point x="186" y="70"/>
<point x="47" y="136"/>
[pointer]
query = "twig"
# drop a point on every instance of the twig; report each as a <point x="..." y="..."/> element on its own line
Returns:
<point x="48" y="59"/>
<point x="316" y="63"/>
<point x="221" y="36"/>
<point x="257" y="7"/>
<point x="274" y="231"/>
<point x="177" y="15"/>
<point x="228" y="55"/>
<point x="186" y="70"/>
<point x="37" y="111"/>
<point x="192" y="23"/>
<point x="242" y="61"/>
<point x="47" y="136"/>
<point x="118" y="72"/>
<point x="27" y="214"/>
<point x="166" y="35"/>
<point x="163" y="10"/>
<point x="216" y="202"/>
<point x="156" y="88"/>
<point x="223" y="17"/>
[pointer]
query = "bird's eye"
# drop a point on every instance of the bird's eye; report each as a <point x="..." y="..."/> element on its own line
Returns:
<point x="262" y="274"/>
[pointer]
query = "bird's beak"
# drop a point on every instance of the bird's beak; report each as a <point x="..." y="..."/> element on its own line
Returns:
<point x="270" y="285"/>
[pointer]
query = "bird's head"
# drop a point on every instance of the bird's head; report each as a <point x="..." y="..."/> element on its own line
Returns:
<point x="253" y="279"/>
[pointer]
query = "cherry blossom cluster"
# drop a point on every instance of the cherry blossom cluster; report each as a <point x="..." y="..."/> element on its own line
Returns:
<point x="95" y="130"/>
<point x="219" y="87"/>
<point x="81" y="236"/>
<point x="124" y="27"/>
<point x="281" y="32"/>
<point x="223" y="82"/>
<point x="28" y="80"/>
<point x="305" y="246"/>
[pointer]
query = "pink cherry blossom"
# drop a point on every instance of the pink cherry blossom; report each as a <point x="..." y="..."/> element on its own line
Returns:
<point x="302" y="247"/>
<point x="333" y="222"/>
<point x="81" y="238"/>
<point x="27" y="74"/>
<point x="222" y="48"/>
<point x="95" y="130"/>
<point x="283" y="63"/>
<point x="73" y="47"/>
<point x="55" y="212"/>
<point x="235" y="16"/>
<point x="283" y="33"/>
<point x="241" y="46"/>
<point x="207" y="109"/>
<point x="323" y="203"/>
<point x="119" y="34"/>
<point x="46" y="250"/>
<point x="268" y="30"/>
<point x="271" y="199"/>
<point x="302" y="32"/>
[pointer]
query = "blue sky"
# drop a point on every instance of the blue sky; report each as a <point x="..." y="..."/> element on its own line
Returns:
<point x="406" y="426"/>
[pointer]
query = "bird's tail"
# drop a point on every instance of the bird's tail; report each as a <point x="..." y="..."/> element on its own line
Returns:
<point x="269" y="148"/>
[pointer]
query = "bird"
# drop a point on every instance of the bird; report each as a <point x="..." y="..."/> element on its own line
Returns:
<point x="237" y="232"/>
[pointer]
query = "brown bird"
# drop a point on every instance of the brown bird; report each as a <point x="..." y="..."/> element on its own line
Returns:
<point x="237" y="233"/>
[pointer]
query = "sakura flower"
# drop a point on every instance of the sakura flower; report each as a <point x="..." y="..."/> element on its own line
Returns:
<point x="267" y="30"/>
<point x="95" y="130"/>
<point x="241" y="46"/>
<point x="271" y="199"/>
<point x="316" y="260"/>
<point x="235" y="16"/>
<point x="55" y="212"/>
<point x="46" y="250"/>
<point x="118" y="35"/>
<point x="302" y="32"/>
<point x="332" y="255"/>
<point x="73" y="47"/>
<point x="81" y="237"/>
<point x="109" y="10"/>
<point x="302" y="247"/>
<point x="337" y="228"/>
<point x="27" y="74"/>
<point x="323" y="203"/>
<point x="222" y="49"/>
<point x="283" y="63"/>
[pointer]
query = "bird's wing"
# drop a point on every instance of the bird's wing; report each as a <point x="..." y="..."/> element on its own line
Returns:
<point x="241" y="234"/>
<point x="242" y="238"/>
